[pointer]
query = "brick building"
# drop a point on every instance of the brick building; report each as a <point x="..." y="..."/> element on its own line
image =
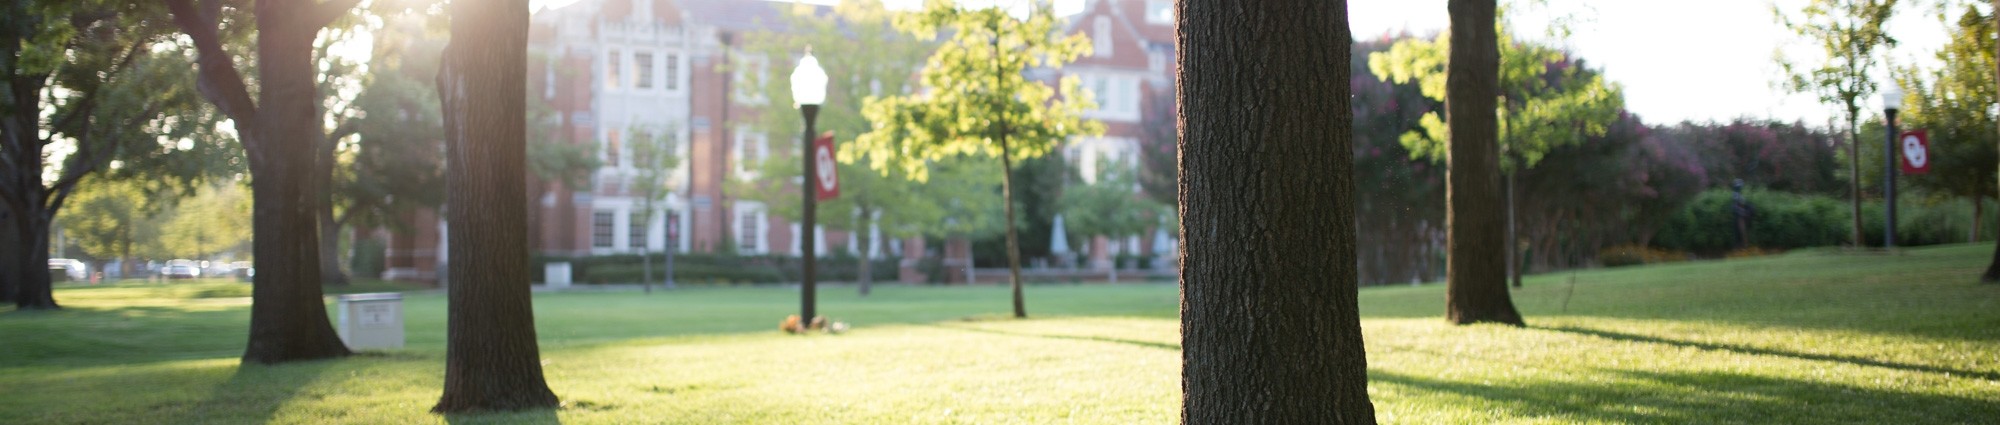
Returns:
<point x="612" y="68"/>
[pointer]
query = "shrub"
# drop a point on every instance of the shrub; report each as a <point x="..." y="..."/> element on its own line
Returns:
<point x="712" y="268"/>
<point x="1632" y="254"/>
<point x="1780" y="220"/>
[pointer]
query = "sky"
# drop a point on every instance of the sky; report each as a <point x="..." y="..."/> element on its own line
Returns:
<point x="1699" y="60"/>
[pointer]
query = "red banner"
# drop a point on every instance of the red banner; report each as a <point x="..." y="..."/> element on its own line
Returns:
<point x="1916" y="147"/>
<point x="826" y="185"/>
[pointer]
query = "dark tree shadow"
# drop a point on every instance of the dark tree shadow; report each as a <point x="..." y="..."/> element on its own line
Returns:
<point x="1093" y="338"/>
<point x="255" y="392"/>
<point x="1745" y="349"/>
<point x="1704" y="397"/>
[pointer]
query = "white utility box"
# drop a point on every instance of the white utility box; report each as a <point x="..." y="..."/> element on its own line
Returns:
<point x="371" y="320"/>
<point x="556" y="274"/>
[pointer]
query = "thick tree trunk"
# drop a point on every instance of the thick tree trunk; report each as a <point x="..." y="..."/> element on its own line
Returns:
<point x="1269" y="324"/>
<point x="35" y="290"/>
<point x="279" y="130"/>
<point x="288" y="319"/>
<point x="1476" y="274"/>
<point x="492" y="362"/>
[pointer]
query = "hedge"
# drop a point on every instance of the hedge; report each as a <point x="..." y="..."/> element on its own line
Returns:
<point x="713" y="268"/>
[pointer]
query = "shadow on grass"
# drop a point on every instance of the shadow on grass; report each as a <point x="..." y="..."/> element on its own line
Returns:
<point x="255" y="392"/>
<point x="1750" y="350"/>
<point x="1706" y="397"/>
<point x="1092" y="338"/>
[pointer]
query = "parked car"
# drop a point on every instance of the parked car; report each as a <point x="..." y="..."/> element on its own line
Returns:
<point x="181" y="269"/>
<point x="68" y="269"/>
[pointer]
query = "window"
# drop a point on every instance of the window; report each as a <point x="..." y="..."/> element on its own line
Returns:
<point x="637" y="238"/>
<point x="612" y="147"/>
<point x="673" y="80"/>
<point x="748" y="224"/>
<point x="645" y="75"/>
<point x="601" y="226"/>
<point x="613" y="70"/>
<point x="1100" y="37"/>
<point x="750" y="150"/>
<point x="1160" y="12"/>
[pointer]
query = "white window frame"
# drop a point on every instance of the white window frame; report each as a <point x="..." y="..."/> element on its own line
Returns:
<point x="642" y="74"/>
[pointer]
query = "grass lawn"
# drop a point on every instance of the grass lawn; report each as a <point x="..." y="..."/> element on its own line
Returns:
<point x="1810" y="337"/>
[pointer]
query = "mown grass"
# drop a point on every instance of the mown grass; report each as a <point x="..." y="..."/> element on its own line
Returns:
<point x="1811" y="337"/>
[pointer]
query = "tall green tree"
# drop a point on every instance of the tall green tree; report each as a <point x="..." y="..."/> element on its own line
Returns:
<point x="977" y="99"/>
<point x="1850" y="34"/>
<point x="655" y="154"/>
<point x="492" y="361"/>
<point x="860" y="46"/>
<point x="82" y="84"/>
<point x="214" y="221"/>
<point x="1954" y="103"/>
<point x="114" y="219"/>
<point x="281" y="126"/>
<point x="1269" y="323"/>
<point x="1547" y="100"/>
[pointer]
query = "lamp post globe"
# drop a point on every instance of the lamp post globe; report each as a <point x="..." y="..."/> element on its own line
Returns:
<point x="808" y="92"/>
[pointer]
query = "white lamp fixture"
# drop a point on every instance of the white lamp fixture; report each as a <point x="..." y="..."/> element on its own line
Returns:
<point x="808" y="81"/>
<point x="1891" y="99"/>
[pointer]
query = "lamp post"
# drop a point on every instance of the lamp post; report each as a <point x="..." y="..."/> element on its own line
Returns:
<point x="808" y="91"/>
<point x="1892" y="101"/>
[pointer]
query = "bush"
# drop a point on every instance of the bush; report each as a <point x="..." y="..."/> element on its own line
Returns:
<point x="1785" y="221"/>
<point x="1780" y="220"/>
<point x="367" y="260"/>
<point x="1632" y="254"/>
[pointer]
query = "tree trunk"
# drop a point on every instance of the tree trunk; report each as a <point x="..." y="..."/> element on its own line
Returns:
<point x="34" y="288"/>
<point x="288" y="319"/>
<point x="1978" y="208"/>
<point x="492" y="362"/>
<point x="279" y="130"/>
<point x="1269" y="324"/>
<point x="646" y="258"/>
<point x="1513" y="233"/>
<point x="866" y="275"/>
<point x="1477" y="272"/>
<point x="1854" y="182"/>
<point x="1007" y="196"/>
<point x="10" y="259"/>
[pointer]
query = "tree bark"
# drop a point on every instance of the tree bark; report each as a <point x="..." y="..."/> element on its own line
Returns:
<point x="1269" y="324"/>
<point x="492" y="362"/>
<point x="1476" y="272"/>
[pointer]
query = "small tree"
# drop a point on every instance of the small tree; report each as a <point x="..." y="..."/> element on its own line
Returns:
<point x="1850" y="33"/>
<point x="655" y="155"/>
<point x="978" y="100"/>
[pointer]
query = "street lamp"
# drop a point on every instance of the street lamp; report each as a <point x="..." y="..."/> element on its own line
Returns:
<point x="808" y="91"/>
<point x="1892" y="101"/>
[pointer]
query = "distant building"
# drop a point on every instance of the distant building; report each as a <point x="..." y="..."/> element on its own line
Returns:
<point x="608" y="68"/>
